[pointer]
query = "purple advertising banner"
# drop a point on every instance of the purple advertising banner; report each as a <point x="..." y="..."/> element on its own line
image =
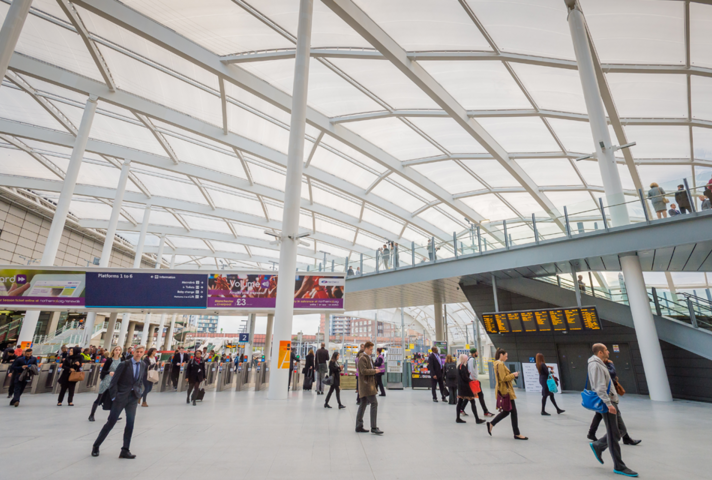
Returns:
<point x="42" y="287"/>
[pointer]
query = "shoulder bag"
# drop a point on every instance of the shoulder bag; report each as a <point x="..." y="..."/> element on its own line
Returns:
<point x="152" y="375"/>
<point x="551" y="384"/>
<point x="76" y="376"/>
<point x="329" y="380"/>
<point x="591" y="401"/>
<point x="619" y="389"/>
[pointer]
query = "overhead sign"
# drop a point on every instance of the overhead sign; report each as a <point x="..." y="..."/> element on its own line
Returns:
<point x="547" y="320"/>
<point x="50" y="287"/>
<point x="244" y="338"/>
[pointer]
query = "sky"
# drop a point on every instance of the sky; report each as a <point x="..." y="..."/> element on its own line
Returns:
<point x="307" y="324"/>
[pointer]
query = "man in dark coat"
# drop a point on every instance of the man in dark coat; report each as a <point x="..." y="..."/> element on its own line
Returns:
<point x="379" y="378"/>
<point x="322" y="362"/>
<point x="682" y="199"/>
<point x="125" y="390"/>
<point x="20" y="381"/>
<point x="195" y="373"/>
<point x="180" y="358"/>
<point x="436" y="375"/>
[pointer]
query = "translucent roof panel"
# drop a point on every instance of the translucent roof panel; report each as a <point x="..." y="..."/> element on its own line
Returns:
<point x="496" y="89"/>
<point x="550" y="171"/>
<point x="186" y="242"/>
<point x="205" y="223"/>
<point x="165" y="187"/>
<point x="368" y="241"/>
<point x="206" y="157"/>
<point x="416" y="25"/>
<point x="336" y="201"/>
<point x="701" y="97"/>
<point x="382" y="221"/>
<point x="334" y="229"/>
<point x="435" y="217"/>
<point x="450" y="176"/>
<point x="219" y="25"/>
<point x="397" y="196"/>
<point x="701" y="34"/>
<point x="258" y="129"/>
<point x="533" y="27"/>
<point x="88" y="209"/>
<point x="667" y="176"/>
<point x="127" y="134"/>
<point x="649" y="95"/>
<point x="448" y="133"/>
<point x="637" y="31"/>
<point x="17" y="162"/>
<point x="241" y="203"/>
<point x="702" y="138"/>
<point x="576" y="136"/>
<point x="490" y="207"/>
<point x="332" y="163"/>
<point x="523" y="203"/>
<point x="267" y="176"/>
<point x="520" y="134"/>
<point x="492" y="172"/>
<point x="383" y="79"/>
<point x="395" y="137"/>
<point x="591" y="172"/>
<point x="552" y="88"/>
<point x="659" y="142"/>
<point x="575" y="202"/>
<point x="328" y="92"/>
<point x="19" y="106"/>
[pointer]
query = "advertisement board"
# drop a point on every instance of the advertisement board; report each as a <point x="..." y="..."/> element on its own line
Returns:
<point x="34" y="287"/>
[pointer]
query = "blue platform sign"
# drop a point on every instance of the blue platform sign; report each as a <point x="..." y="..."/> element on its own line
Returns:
<point x="532" y="360"/>
<point x="244" y="338"/>
<point x="145" y="290"/>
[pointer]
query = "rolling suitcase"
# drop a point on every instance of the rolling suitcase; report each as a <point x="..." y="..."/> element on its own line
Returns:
<point x="200" y="394"/>
<point x="308" y="380"/>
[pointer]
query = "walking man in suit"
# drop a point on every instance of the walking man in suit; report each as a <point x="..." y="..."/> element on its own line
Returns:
<point x="125" y="390"/>
<point x="180" y="358"/>
<point x="367" y="390"/>
<point x="436" y="375"/>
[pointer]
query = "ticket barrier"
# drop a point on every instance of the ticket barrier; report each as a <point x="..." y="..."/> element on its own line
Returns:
<point x="211" y="376"/>
<point x="182" y="381"/>
<point x="91" y="378"/>
<point x="296" y="380"/>
<point x="242" y="377"/>
<point x="259" y="370"/>
<point x="165" y="384"/>
<point x="44" y="382"/>
<point x="4" y="378"/>
<point x="225" y="377"/>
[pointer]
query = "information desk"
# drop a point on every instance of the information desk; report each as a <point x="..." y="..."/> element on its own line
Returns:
<point x="573" y="319"/>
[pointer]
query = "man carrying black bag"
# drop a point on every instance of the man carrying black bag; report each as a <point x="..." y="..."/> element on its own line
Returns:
<point x="125" y="390"/>
<point x="195" y="373"/>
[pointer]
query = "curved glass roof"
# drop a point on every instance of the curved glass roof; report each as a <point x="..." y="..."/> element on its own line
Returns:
<point x="197" y="95"/>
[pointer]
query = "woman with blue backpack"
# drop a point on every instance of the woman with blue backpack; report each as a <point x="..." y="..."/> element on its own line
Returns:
<point x="548" y="384"/>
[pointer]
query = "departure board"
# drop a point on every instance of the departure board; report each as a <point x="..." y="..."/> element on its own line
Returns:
<point x="528" y="321"/>
<point x="572" y="319"/>
<point x="515" y="322"/>
<point x="490" y="323"/>
<point x="558" y="322"/>
<point x="502" y="324"/>
<point x="589" y="316"/>
<point x="543" y="323"/>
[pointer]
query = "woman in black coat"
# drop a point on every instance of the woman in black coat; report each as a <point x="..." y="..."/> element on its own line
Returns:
<point x="335" y="374"/>
<point x="309" y="371"/>
<point x="73" y="363"/>
<point x="544" y="371"/>
<point x="450" y="374"/>
<point x="464" y="392"/>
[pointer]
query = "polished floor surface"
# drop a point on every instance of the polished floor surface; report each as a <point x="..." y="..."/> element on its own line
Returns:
<point x="240" y="435"/>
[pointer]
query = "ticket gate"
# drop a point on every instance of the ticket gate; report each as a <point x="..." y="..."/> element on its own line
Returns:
<point x="211" y="376"/>
<point x="166" y="382"/>
<point x="242" y="377"/>
<point x="44" y="382"/>
<point x="86" y="384"/>
<point x="261" y="377"/>
<point x="296" y="380"/>
<point x="182" y="381"/>
<point x="4" y="378"/>
<point x="225" y="377"/>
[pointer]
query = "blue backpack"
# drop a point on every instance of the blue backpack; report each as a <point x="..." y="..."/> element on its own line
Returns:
<point x="591" y="401"/>
<point x="551" y="384"/>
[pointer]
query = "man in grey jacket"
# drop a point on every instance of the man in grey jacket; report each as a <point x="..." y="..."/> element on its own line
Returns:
<point x="600" y="382"/>
<point x="472" y="369"/>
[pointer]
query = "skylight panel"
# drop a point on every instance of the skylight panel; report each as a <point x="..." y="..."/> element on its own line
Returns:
<point x="637" y="31"/>
<point x="667" y="176"/>
<point x="702" y="138"/>
<point x="187" y="242"/>
<point x="228" y="247"/>
<point x="523" y="203"/>
<point x="328" y="92"/>
<point x="591" y="172"/>
<point x="380" y="220"/>
<point x="395" y="137"/>
<point x="205" y="157"/>
<point x="411" y="187"/>
<point x="204" y="223"/>
<point x="449" y="134"/>
<point x="163" y="187"/>
<point x="127" y="134"/>
<point x="383" y="79"/>
<point x="659" y="141"/>
<point x="426" y="25"/>
<point x="337" y="202"/>
<point x="255" y="128"/>
<point x="238" y="203"/>
<point x="218" y="25"/>
<point x="243" y="96"/>
<point x="330" y="162"/>
<point x="100" y="176"/>
<point x="701" y="97"/>
<point x="450" y="176"/>
<point x="490" y="207"/>
<point x="95" y="211"/>
<point x="550" y="171"/>
<point x="649" y="95"/>
<point x="552" y="88"/>
<point x="368" y="241"/>
<point x="520" y="134"/>
<point x="575" y="202"/>
<point x="533" y="27"/>
<point x="366" y="161"/>
<point x="700" y="34"/>
<point x="442" y="221"/>
<point x="478" y="85"/>
<point x="54" y="90"/>
<point x="333" y="229"/>
<point x="17" y="162"/>
<point x="266" y="176"/>
<point x="21" y="107"/>
<point x="491" y="172"/>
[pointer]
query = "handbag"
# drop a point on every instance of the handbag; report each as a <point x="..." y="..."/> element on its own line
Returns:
<point x="328" y="380"/>
<point x="504" y="403"/>
<point x="106" y="401"/>
<point x="76" y="377"/>
<point x="475" y="387"/>
<point x="551" y="384"/>
<point x="619" y="389"/>
<point x="153" y="376"/>
<point x="591" y="401"/>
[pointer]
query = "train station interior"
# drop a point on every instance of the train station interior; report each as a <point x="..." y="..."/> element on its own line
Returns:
<point x="405" y="206"/>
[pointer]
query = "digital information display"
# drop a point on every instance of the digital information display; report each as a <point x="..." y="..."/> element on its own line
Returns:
<point x="146" y="290"/>
<point x="555" y="319"/>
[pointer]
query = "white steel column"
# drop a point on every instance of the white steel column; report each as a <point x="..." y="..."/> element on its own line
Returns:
<point x="147" y="318"/>
<point x="109" y="242"/>
<point x="137" y="264"/>
<point x="268" y="337"/>
<point x="163" y="315"/>
<point x="11" y="30"/>
<point x="168" y="343"/>
<point x="292" y="198"/>
<point x="645" y="331"/>
<point x="54" y="236"/>
<point x="249" y="348"/>
<point x="109" y="336"/>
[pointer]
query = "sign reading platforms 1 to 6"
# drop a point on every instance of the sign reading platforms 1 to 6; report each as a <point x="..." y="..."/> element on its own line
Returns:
<point x="150" y="290"/>
<point x="548" y="320"/>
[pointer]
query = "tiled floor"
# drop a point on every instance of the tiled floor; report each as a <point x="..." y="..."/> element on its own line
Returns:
<point x="240" y="435"/>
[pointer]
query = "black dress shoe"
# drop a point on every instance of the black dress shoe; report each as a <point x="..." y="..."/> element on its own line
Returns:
<point x="544" y="414"/>
<point x="94" y="451"/>
<point x="91" y="418"/>
<point x="435" y="400"/>
<point x="126" y="454"/>
<point x="361" y="430"/>
<point x="629" y="441"/>
<point x="459" y="420"/>
<point x="591" y="437"/>
<point x="560" y="411"/>
<point x="342" y="406"/>
<point x="376" y="431"/>
<point x="326" y="405"/>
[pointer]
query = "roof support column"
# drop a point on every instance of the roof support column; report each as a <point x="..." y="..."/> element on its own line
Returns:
<point x="163" y="315"/>
<point x="292" y="198"/>
<point x="438" y="309"/>
<point x="268" y="337"/>
<point x="11" y="30"/>
<point x="147" y="318"/>
<point x="250" y="347"/>
<point x="56" y="230"/>
<point x="645" y="330"/>
<point x="109" y="244"/>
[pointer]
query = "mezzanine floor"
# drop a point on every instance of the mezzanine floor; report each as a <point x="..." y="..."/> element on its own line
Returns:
<point x="242" y="435"/>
